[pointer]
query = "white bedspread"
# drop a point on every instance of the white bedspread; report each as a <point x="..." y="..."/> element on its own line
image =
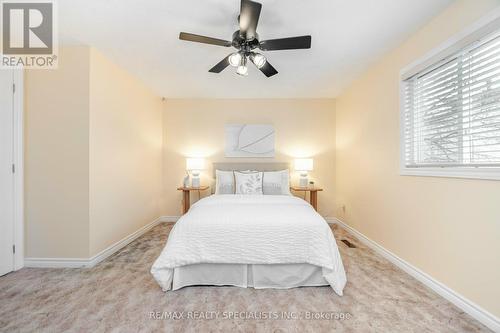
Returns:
<point x="251" y="229"/>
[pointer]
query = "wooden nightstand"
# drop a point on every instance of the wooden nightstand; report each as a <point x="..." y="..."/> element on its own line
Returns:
<point x="186" y="200"/>
<point x="313" y="194"/>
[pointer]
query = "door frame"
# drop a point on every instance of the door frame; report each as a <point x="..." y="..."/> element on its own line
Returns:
<point x="18" y="156"/>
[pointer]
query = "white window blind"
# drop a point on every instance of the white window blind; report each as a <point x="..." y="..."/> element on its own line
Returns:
<point x="451" y="114"/>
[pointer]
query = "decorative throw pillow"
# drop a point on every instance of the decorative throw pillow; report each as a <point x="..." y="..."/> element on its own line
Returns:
<point x="276" y="182"/>
<point x="224" y="182"/>
<point x="248" y="182"/>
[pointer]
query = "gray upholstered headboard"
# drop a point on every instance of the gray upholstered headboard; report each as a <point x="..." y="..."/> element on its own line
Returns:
<point x="263" y="166"/>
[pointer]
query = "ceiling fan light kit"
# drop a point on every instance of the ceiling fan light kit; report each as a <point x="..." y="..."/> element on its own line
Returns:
<point x="242" y="68"/>
<point x="235" y="59"/>
<point x="258" y="59"/>
<point x="246" y="40"/>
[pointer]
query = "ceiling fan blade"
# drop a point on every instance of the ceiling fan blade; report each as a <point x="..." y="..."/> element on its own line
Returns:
<point x="203" y="39"/>
<point x="268" y="69"/>
<point x="291" y="43"/>
<point x="249" y="18"/>
<point x="221" y="65"/>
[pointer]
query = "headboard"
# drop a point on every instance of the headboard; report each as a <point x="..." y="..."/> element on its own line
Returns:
<point x="264" y="166"/>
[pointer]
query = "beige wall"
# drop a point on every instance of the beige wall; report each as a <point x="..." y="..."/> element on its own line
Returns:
<point x="304" y="128"/>
<point x="449" y="228"/>
<point x="93" y="156"/>
<point x="57" y="157"/>
<point x="125" y="153"/>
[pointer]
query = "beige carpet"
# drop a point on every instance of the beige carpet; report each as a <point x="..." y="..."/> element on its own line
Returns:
<point x="119" y="295"/>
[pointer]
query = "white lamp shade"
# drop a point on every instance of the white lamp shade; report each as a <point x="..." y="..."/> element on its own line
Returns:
<point x="304" y="164"/>
<point x="195" y="164"/>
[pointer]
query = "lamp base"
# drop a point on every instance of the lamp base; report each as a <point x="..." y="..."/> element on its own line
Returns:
<point x="303" y="182"/>
<point x="195" y="182"/>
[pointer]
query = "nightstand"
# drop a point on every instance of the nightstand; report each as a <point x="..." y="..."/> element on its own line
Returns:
<point x="313" y="194"/>
<point x="186" y="200"/>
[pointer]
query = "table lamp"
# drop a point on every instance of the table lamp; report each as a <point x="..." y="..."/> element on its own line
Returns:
<point x="195" y="165"/>
<point x="303" y="165"/>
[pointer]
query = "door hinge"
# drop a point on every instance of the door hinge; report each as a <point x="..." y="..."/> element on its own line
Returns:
<point x="13" y="168"/>
<point x="14" y="88"/>
<point x="13" y="249"/>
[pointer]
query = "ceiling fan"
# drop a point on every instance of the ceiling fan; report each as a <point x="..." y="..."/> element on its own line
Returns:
<point x="246" y="40"/>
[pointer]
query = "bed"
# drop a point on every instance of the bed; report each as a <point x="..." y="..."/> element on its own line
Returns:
<point x="259" y="241"/>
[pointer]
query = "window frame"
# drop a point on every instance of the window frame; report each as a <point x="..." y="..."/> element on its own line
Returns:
<point x="475" y="32"/>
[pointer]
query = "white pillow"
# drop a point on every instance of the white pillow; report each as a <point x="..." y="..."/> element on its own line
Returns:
<point x="248" y="182"/>
<point x="224" y="182"/>
<point x="276" y="182"/>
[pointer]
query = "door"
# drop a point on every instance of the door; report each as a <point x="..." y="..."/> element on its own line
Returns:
<point x="6" y="171"/>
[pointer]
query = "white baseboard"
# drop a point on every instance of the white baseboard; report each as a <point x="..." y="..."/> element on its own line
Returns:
<point x="56" y="262"/>
<point x="169" y="218"/>
<point x="90" y="262"/>
<point x="122" y="243"/>
<point x="330" y="220"/>
<point x="474" y="310"/>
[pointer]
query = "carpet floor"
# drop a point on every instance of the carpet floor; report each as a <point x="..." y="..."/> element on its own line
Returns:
<point x="120" y="295"/>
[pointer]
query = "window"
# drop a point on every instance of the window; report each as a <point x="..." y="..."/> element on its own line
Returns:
<point x="451" y="114"/>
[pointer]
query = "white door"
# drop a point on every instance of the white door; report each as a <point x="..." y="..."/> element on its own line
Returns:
<point x="6" y="171"/>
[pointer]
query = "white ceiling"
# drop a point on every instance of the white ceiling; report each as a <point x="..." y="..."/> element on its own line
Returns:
<point x="142" y="37"/>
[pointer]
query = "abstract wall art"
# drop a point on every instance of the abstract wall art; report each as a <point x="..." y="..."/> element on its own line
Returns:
<point x="249" y="140"/>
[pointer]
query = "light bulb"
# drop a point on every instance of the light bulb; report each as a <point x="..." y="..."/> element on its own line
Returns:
<point x="242" y="70"/>
<point x="235" y="59"/>
<point x="259" y="60"/>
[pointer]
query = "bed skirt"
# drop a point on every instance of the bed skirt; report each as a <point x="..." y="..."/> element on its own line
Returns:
<point x="277" y="276"/>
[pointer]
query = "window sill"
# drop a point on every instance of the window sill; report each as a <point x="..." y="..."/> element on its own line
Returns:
<point x="450" y="172"/>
